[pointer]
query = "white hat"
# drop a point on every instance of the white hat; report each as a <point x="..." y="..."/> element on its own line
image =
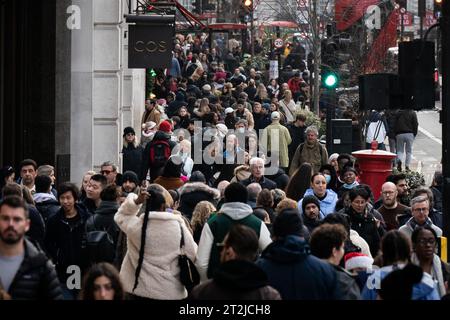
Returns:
<point x="355" y="260"/>
<point x="206" y="87"/>
<point x="229" y="110"/>
<point x="149" y="125"/>
<point x="275" y="115"/>
<point x="223" y="130"/>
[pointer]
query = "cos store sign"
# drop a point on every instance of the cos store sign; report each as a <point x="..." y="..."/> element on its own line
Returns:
<point x="150" y="46"/>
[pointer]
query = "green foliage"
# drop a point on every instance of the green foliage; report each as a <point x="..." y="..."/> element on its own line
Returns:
<point x="258" y="62"/>
<point x="413" y="179"/>
<point x="149" y="81"/>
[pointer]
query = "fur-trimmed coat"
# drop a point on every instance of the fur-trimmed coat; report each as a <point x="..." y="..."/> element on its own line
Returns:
<point x="194" y="192"/>
<point x="160" y="273"/>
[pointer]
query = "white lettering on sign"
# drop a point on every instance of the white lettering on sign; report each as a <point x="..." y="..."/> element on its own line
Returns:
<point x="373" y="17"/>
<point x="74" y="21"/>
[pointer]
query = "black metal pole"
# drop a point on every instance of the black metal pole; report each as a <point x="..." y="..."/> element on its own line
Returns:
<point x="402" y="27"/>
<point x="445" y="116"/>
<point x="331" y="104"/>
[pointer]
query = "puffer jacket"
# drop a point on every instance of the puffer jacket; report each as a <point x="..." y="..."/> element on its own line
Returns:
<point x="36" y="278"/>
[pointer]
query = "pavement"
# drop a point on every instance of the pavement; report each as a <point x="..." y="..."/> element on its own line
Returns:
<point x="427" y="148"/>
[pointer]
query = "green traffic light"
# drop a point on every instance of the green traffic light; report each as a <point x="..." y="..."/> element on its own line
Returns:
<point x="331" y="80"/>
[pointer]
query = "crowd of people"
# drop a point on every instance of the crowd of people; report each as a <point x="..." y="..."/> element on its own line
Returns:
<point x="272" y="216"/>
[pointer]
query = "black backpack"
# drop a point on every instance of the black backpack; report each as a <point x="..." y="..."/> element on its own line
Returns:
<point x="159" y="153"/>
<point x="99" y="245"/>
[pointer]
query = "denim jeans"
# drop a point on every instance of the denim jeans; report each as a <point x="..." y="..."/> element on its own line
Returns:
<point x="404" y="143"/>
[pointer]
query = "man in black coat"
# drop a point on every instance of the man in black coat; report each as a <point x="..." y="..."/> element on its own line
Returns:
<point x="66" y="234"/>
<point x="257" y="175"/>
<point x="25" y="272"/>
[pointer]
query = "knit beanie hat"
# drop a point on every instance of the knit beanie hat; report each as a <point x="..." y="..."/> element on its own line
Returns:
<point x="310" y="199"/>
<point x="130" y="176"/>
<point x="355" y="260"/>
<point x="165" y="126"/>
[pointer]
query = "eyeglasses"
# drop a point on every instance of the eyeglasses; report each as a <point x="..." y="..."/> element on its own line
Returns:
<point x="420" y="210"/>
<point x="424" y="242"/>
<point x="105" y="172"/>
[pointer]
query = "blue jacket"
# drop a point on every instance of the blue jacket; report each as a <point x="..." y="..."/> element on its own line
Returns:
<point x="297" y="274"/>
<point x="327" y="205"/>
<point x="425" y="290"/>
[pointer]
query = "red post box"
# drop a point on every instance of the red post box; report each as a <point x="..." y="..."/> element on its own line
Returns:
<point x="375" y="166"/>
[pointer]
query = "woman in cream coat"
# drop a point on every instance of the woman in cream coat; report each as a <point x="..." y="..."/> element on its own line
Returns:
<point x="151" y="270"/>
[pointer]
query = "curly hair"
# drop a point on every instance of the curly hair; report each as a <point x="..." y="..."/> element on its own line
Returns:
<point x="286" y="203"/>
<point x="201" y="214"/>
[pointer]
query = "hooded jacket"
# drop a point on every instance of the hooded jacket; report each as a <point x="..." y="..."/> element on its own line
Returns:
<point x="327" y="205"/>
<point x="208" y="255"/>
<point x="192" y="193"/>
<point x="425" y="290"/>
<point x="295" y="273"/>
<point x="160" y="273"/>
<point x="46" y="204"/>
<point x="236" y="280"/>
<point x="36" y="278"/>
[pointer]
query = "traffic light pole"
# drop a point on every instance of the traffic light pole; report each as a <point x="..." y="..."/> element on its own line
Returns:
<point x="331" y="105"/>
<point x="445" y="116"/>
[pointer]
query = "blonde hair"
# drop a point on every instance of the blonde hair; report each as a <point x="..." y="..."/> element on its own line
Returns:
<point x="286" y="204"/>
<point x="91" y="173"/>
<point x="201" y="214"/>
<point x="135" y="142"/>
